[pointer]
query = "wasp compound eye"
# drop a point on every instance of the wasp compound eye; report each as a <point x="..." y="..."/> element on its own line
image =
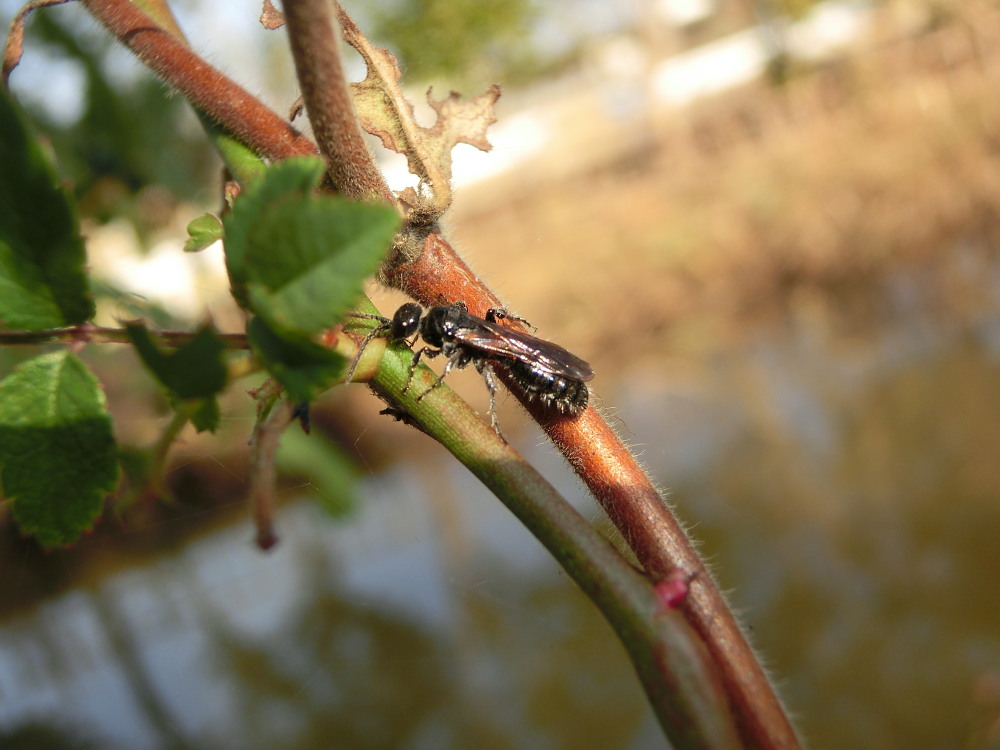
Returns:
<point x="406" y="321"/>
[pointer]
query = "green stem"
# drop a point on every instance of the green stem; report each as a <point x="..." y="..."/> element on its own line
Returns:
<point x="670" y="659"/>
<point x="162" y="446"/>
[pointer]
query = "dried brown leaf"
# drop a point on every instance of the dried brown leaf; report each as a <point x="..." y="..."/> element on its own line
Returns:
<point x="385" y="112"/>
<point x="375" y="103"/>
<point x="460" y="122"/>
<point x="270" y="17"/>
<point x="14" y="47"/>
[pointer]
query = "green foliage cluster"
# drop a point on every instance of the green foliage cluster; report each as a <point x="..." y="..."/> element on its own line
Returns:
<point x="42" y="282"/>
<point x="459" y="39"/>
<point x="297" y="260"/>
<point x="128" y="134"/>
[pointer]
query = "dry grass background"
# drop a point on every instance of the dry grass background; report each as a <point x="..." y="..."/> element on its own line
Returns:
<point x="764" y="201"/>
<point x="812" y="208"/>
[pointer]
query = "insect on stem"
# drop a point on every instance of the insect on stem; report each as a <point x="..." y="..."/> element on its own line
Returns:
<point x="538" y="368"/>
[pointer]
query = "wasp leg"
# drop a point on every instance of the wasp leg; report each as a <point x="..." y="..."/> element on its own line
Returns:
<point x="500" y="313"/>
<point x="491" y="383"/>
<point x="375" y="332"/>
<point x="417" y="354"/>
<point x="458" y="359"/>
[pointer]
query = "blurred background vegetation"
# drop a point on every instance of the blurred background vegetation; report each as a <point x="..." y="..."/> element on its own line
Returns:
<point x="789" y="288"/>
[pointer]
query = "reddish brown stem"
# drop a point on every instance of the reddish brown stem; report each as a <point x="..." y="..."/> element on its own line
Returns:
<point x="89" y="333"/>
<point x="313" y="34"/>
<point x="633" y="505"/>
<point x="263" y="472"/>
<point x="436" y="274"/>
<point x="205" y="87"/>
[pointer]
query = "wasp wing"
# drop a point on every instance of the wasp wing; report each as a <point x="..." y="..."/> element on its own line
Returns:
<point x="503" y="342"/>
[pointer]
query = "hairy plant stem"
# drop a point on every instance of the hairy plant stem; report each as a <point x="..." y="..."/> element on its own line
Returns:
<point x="91" y="334"/>
<point x="432" y="272"/>
<point x="633" y="504"/>
<point x="263" y="472"/>
<point x="313" y="33"/>
<point x="222" y="100"/>
<point x="673" y="663"/>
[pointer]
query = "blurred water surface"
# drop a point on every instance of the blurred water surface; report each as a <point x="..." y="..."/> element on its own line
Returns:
<point x="843" y="486"/>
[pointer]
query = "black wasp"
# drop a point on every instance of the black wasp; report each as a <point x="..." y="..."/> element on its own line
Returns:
<point x="540" y="369"/>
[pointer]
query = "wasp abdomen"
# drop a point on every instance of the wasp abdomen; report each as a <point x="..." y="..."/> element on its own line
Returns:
<point x="568" y="395"/>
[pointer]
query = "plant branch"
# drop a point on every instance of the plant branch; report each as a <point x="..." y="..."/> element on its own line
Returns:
<point x="672" y="662"/>
<point x="211" y="92"/>
<point x="314" y="37"/>
<point x="91" y="334"/>
<point x="263" y="472"/>
<point x="14" y="43"/>
<point x="632" y="503"/>
<point x="433" y="273"/>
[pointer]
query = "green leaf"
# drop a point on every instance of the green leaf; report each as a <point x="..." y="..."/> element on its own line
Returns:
<point x="332" y="474"/>
<point x="206" y="415"/>
<point x="42" y="279"/>
<point x="193" y="371"/>
<point x="310" y="257"/>
<point x="202" y="232"/>
<point x="298" y="259"/>
<point x="291" y="177"/>
<point x="57" y="453"/>
<point x="301" y="365"/>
